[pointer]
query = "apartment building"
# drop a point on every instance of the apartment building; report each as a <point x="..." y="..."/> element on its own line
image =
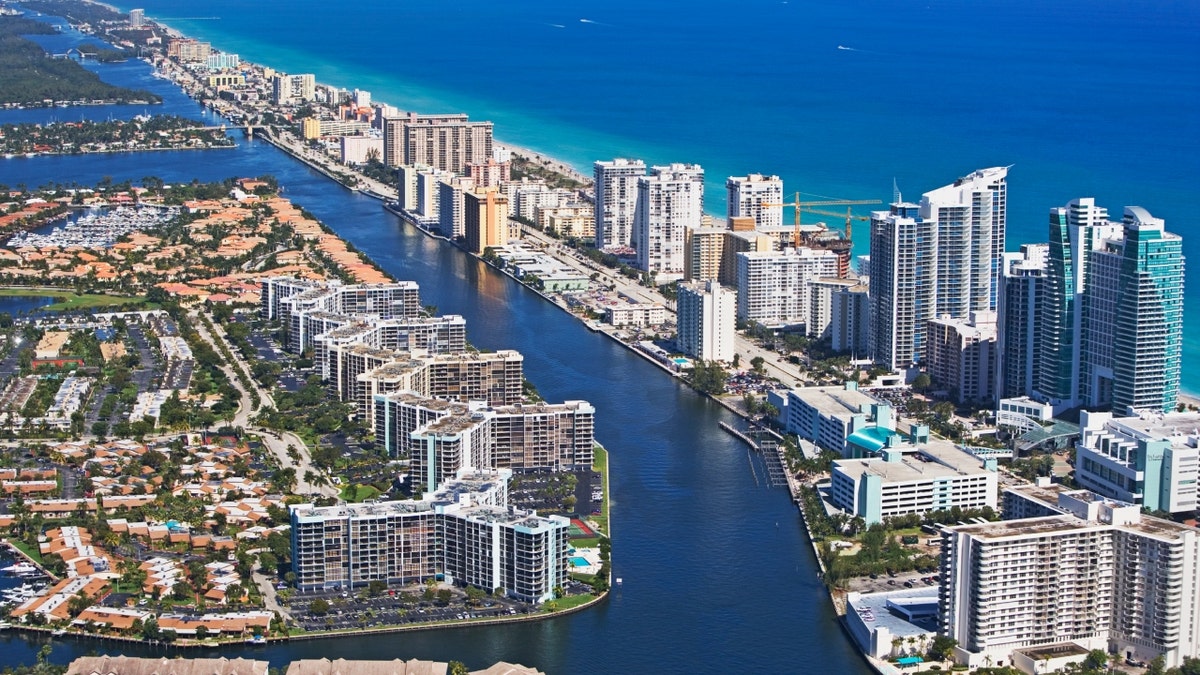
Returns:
<point x="960" y="356"/>
<point x="1098" y="574"/>
<point x="773" y="287"/>
<point x="669" y="201"/>
<point x="464" y="533"/>
<point x="616" y="184"/>
<point x="755" y="196"/>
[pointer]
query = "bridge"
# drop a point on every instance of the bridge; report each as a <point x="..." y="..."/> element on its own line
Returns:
<point x="74" y="53"/>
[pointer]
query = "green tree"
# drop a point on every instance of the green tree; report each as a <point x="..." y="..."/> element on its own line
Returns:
<point x="458" y="668"/>
<point x="757" y="364"/>
<point x="942" y="648"/>
<point x="921" y="383"/>
<point x="318" y="607"/>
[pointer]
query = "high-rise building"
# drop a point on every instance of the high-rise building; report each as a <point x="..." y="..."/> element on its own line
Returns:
<point x="756" y="196"/>
<point x="485" y="219"/>
<point x="707" y="319"/>
<point x="970" y="217"/>
<point x="1018" y="328"/>
<point x="444" y="142"/>
<point x="1075" y="231"/>
<point x="669" y="200"/>
<point x="740" y="241"/>
<point x="773" y="287"/>
<point x="616" y="184"/>
<point x="1148" y="340"/>
<point x="293" y="89"/>
<point x="1101" y="575"/>
<point x="464" y="533"/>
<point x="941" y="257"/>
<point x="704" y="252"/>
<point x="902" y="284"/>
<point x="137" y="18"/>
<point x="1111" y="313"/>
<point x="960" y="356"/>
<point x="840" y="312"/>
<point x="451" y="220"/>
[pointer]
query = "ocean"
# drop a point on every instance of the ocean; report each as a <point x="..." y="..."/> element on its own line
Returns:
<point x="839" y="98"/>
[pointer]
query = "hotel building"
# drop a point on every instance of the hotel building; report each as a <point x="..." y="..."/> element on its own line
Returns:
<point x="1152" y="461"/>
<point x="960" y="356"/>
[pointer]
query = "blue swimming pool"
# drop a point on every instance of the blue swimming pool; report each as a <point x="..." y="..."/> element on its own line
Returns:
<point x="578" y="561"/>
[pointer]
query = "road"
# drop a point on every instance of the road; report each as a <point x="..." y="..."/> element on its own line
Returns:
<point x="276" y="442"/>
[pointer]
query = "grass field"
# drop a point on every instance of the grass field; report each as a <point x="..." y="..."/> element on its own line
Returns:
<point x="359" y="493"/>
<point x="67" y="300"/>
<point x="600" y="463"/>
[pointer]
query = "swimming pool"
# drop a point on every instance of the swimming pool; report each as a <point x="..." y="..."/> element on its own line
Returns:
<point x="579" y="561"/>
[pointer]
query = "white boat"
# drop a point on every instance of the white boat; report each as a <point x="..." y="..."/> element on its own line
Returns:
<point x="4" y="625"/>
<point x="20" y="568"/>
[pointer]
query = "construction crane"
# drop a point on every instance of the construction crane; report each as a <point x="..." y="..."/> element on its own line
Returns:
<point x="799" y="205"/>
<point x="850" y="217"/>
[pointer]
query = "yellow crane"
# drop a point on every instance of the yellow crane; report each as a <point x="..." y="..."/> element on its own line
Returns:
<point x="849" y="217"/>
<point x="799" y="205"/>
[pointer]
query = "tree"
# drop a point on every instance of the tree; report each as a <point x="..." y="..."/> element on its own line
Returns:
<point x="458" y="668"/>
<point x="201" y="632"/>
<point x="318" y="607"/>
<point x="444" y="596"/>
<point x="475" y="595"/>
<point x="942" y="648"/>
<point x="921" y="383"/>
<point x="757" y="364"/>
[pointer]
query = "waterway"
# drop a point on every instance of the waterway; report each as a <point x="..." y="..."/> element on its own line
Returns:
<point x="718" y="575"/>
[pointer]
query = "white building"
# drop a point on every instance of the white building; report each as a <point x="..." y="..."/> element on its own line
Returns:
<point x="293" y="89"/>
<point x="829" y="416"/>
<point x="707" y="320"/>
<point x="359" y="149"/>
<point x="452" y="220"/>
<point x="1018" y="328"/>
<point x="1152" y="460"/>
<point x="669" y="200"/>
<point x="932" y="476"/>
<point x="616" y="184"/>
<point x="137" y="18"/>
<point x="756" y="196"/>
<point x="773" y="286"/>
<point x="1101" y="576"/>
<point x="635" y="314"/>
<point x="939" y="257"/>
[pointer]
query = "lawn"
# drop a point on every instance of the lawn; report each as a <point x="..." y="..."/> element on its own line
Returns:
<point x="568" y="602"/>
<point x="600" y="463"/>
<point x="33" y="553"/>
<point x="359" y="493"/>
<point x="67" y="300"/>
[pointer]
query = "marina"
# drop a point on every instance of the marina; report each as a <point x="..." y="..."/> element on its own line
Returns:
<point x="97" y="229"/>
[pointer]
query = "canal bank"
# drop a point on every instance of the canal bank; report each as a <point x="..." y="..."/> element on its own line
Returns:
<point x="716" y="573"/>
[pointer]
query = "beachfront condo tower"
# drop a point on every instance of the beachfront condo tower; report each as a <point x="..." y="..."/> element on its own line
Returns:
<point x="756" y="196"/>
<point x="669" y="201"/>
<point x="616" y="198"/>
<point x="1111" y="312"/>
<point x="941" y="257"/>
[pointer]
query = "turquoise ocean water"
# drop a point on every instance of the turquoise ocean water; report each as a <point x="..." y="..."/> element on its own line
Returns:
<point x="1083" y="98"/>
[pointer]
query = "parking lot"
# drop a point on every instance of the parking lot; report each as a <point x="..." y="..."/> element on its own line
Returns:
<point x="397" y="607"/>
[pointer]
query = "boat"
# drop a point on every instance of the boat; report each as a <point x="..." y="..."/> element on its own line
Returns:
<point x="257" y="640"/>
<point x="60" y="632"/>
<point x="20" y="568"/>
<point x="4" y="625"/>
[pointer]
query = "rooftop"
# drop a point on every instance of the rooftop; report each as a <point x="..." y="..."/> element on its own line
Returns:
<point x="877" y="610"/>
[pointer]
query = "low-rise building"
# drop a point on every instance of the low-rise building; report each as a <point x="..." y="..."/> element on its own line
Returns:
<point x="830" y="416"/>
<point x="1152" y="460"/>
<point x="916" y="477"/>
<point x="635" y="314"/>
